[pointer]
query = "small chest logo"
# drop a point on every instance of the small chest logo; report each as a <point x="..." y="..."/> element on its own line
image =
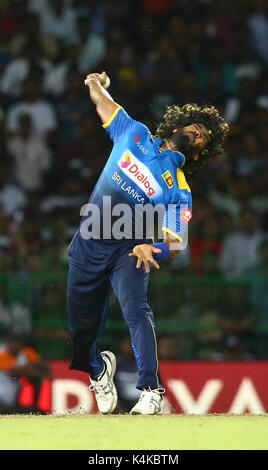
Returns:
<point x="137" y="139"/>
<point x="168" y="179"/>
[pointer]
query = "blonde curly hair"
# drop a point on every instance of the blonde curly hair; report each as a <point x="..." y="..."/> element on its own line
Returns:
<point x="191" y="113"/>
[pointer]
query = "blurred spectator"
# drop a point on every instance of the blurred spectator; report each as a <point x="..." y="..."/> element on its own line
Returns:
<point x="258" y="298"/>
<point x="92" y="46"/>
<point x="249" y="158"/>
<point x="208" y="333"/>
<point x="206" y="248"/>
<point x="258" y="27"/>
<point x="41" y="111"/>
<point x="163" y="57"/>
<point x="18" y="360"/>
<point x="249" y="96"/>
<point x="12" y="17"/>
<point x="237" y="323"/>
<point x="221" y="24"/>
<point x="9" y="390"/>
<point x="4" y="311"/>
<point x="168" y="348"/>
<point x="69" y="194"/>
<point x="57" y="18"/>
<point x="15" y="317"/>
<point x="157" y="6"/>
<point x="83" y="154"/>
<point x="20" y="68"/>
<point x="12" y="197"/>
<point x="72" y="107"/>
<point x="55" y="54"/>
<point x="240" y="251"/>
<point x="30" y="154"/>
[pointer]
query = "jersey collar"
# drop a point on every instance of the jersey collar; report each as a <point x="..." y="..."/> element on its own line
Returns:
<point x="180" y="158"/>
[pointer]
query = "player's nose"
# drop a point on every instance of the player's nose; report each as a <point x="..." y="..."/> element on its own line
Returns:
<point x="196" y="133"/>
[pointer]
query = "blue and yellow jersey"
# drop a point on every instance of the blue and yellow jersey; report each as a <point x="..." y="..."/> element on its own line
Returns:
<point x="138" y="172"/>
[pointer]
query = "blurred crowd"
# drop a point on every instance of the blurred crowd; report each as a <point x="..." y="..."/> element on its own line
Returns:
<point x="53" y="147"/>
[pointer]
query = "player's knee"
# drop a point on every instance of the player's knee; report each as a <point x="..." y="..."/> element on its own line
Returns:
<point x="135" y="312"/>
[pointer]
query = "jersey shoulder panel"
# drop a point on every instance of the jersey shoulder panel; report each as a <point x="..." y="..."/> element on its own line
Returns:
<point x="120" y="124"/>
<point x="181" y="180"/>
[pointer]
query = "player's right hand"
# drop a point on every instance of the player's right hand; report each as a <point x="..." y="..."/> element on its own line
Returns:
<point x="144" y="253"/>
<point x="102" y="77"/>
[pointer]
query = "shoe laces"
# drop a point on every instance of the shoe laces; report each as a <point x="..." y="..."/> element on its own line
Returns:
<point x="101" y="389"/>
<point x="160" y="391"/>
<point x="149" y="398"/>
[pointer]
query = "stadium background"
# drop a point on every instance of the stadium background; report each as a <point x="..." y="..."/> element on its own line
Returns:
<point x="211" y="302"/>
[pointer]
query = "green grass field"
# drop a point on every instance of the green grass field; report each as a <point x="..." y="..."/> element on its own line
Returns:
<point x="124" y="432"/>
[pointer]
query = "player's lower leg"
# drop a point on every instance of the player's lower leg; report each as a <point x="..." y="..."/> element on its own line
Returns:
<point x="103" y="385"/>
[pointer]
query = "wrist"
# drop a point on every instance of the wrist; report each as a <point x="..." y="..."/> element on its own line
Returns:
<point x="164" y="251"/>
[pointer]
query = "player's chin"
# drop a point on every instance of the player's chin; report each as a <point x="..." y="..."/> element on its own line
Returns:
<point x="189" y="138"/>
<point x="193" y="151"/>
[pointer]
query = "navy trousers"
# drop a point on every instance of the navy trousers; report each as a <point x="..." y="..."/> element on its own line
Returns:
<point x="94" y="266"/>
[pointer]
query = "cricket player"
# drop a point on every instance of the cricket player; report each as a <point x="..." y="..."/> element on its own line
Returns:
<point x="142" y="170"/>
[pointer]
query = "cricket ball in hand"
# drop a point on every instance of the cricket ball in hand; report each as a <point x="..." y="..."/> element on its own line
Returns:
<point x="105" y="85"/>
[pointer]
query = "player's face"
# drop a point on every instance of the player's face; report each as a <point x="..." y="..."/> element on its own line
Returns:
<point x="198" y="135"/>
<point x="191" y="140"/>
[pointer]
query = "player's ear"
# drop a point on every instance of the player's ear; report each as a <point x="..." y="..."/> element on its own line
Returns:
<point x="196" y="157"/>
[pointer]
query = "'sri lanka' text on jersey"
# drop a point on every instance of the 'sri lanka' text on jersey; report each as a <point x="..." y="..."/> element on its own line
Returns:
<point x="138" y="173"/>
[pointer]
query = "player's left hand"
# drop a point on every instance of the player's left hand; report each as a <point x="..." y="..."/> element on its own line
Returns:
<point x="144" y="253"/>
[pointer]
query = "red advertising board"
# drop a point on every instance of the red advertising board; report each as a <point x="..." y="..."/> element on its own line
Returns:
<point x="216" y="387"/>
<point x="191" y="388"/>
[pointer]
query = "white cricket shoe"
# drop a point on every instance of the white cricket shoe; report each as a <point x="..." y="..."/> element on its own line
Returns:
<point x="104" y="388"/>
<point x="150" y="403"/>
